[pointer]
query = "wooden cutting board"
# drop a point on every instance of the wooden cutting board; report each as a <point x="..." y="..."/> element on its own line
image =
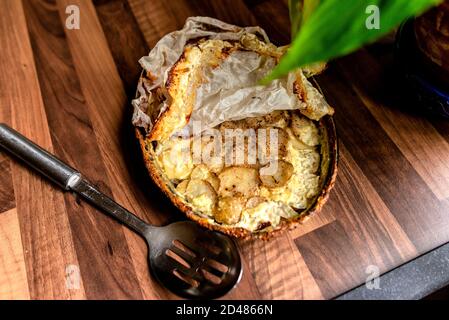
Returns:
<point x="69" y="90"/>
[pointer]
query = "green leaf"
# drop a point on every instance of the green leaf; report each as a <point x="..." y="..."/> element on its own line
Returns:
<point x="338" y="27"/>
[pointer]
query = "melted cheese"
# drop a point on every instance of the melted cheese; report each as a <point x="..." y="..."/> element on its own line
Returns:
<point x="266" y="212"/>
<point x="175" y="159"/>
<point x="204" y="189"/>
<point x="304" y="183"/>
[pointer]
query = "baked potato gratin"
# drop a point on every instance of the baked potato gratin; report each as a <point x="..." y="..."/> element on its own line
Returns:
<point x="239" y="193"/>
<point x="263" y="170"/>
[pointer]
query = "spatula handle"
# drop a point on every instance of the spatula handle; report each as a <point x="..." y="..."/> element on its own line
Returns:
<point x="66" y="177"/>
<point x="41" y="160"/>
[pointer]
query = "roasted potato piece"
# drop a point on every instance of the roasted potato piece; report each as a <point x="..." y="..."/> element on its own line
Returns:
<point x="238" y="181"/>
<point x="279" y="119"/>
<point x="295" y="142"/>
<point x="208" y="149"/>
<point x="314" y="105"/>
<point x="276" y="174"/>
<point x="271" y="144"/>
<point x="238" y="124"/>
<point x="305" y="130"/>
<point x="240" y="148"/>
<point x="229" y="210"/>
<point x="202" y="195"/>
<point x="202" y="172"/>
<point x="176" y="158"/>
<point x="254" y="202"/>
<point x="182" y="186"/>
<point x="214" y="181"/>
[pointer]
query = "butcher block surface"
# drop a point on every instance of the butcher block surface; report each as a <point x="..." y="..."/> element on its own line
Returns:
<point x="70" y="91"/>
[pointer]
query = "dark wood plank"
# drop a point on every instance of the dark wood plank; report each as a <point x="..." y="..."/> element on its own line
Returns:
<point x="380" y="159"/>
<point x="45" y="231"/>
<point x="273" y="16"/>
<point x="230" y="11"/>
<point x="108" y="108"/>
<point x="357" y="206"/>
<point x="365" y="223"/>
<point x="105" y="263"/>
<point x="314" y="222"/>
<point x="158" y="17"/>
<point x="332" y="259"/>
<point x="414" y="135"/>
<point x="7" y="198"/>
<point x="126" y="41"/>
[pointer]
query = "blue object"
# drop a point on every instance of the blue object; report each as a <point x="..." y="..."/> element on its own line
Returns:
<point x="425" y="92"/>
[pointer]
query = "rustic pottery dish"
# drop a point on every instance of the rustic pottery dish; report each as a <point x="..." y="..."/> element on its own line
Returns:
<point x="201" y="86"/>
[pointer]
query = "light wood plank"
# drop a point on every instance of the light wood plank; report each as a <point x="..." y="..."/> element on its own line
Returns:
<point x="46" y="234"/>
<point x="7" y="198"/>
<point x="279" y="269"/>
<point x="13" y="277"/>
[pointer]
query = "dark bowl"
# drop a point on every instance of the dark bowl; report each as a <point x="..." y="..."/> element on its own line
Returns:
<point x="421" y="87"/>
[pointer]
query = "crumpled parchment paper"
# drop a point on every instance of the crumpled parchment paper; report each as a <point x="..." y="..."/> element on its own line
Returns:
<point x="231" y="90"/>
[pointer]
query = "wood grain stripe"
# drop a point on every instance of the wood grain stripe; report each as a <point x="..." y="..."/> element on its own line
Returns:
<point x="157" y="18"/>
<point x="109" y="111"/>
<point x="332" y="259"/>
<point x="7" y="198"/>
<point x="273" y="16"/>
<point x="13" y="277"/>
<point x="390" y="173"/>
<point x="46" y="235"/>
<point x="364" y="221"/>
<point x="375" y="228"/>
<point x="276" y="273"/>
<point x="314" y="222"/>
<point x="125" y="40"/>
<point x="417" y="139"/>
<point x="103" y="253"/>
<point x="230" y="11"/>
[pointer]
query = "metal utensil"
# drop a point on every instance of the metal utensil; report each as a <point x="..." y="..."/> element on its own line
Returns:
<point x="190" y="261"/>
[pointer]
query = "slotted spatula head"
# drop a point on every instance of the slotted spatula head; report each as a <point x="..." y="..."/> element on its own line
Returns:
<point x="193" y="262"/>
